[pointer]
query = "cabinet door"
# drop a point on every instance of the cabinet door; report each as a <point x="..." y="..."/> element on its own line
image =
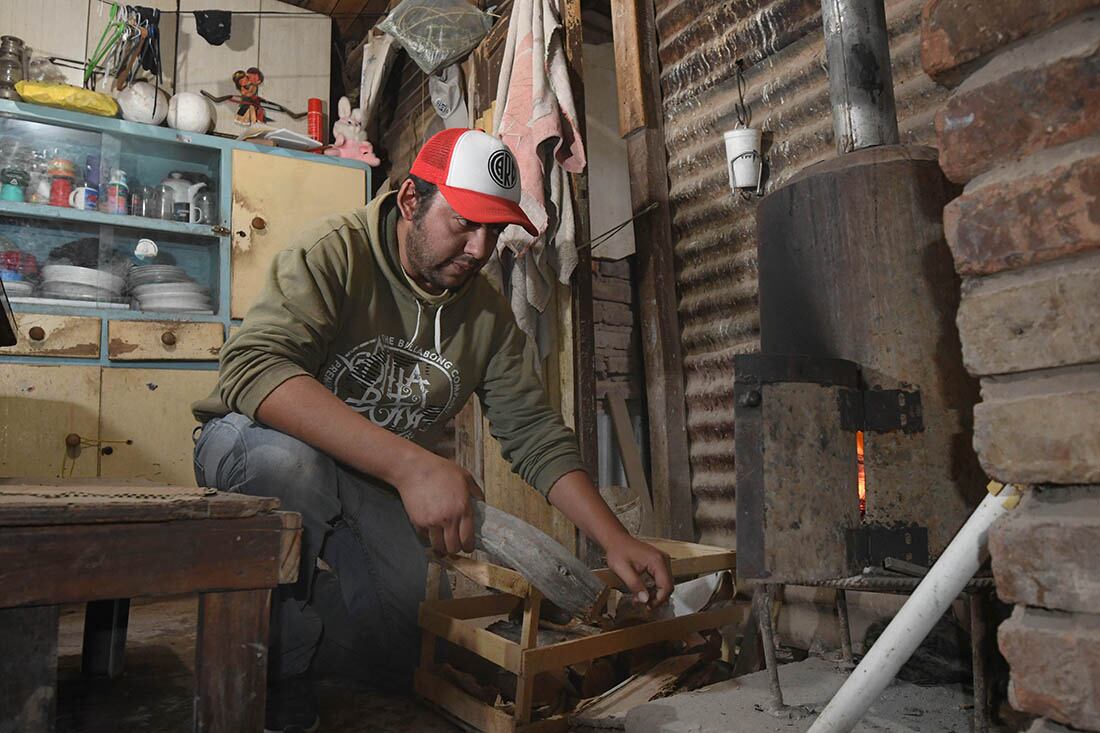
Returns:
<point x="274" y="198"/>
<point x="200" y="65"/>
<point x="294" y="56"/>
<point x="39" y="407"/>
<point x="152" y="409"/>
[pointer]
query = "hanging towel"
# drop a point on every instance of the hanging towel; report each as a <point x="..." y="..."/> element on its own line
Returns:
<point x="537" y="118"/>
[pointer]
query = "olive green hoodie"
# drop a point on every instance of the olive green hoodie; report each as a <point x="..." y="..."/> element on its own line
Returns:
<point x="338" y="307"/>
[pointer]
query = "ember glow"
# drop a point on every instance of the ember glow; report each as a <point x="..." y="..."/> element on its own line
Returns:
<point x="861" y="479"/>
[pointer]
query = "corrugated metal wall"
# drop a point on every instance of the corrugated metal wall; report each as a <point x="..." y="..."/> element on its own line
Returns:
<point x="783" y="48"/>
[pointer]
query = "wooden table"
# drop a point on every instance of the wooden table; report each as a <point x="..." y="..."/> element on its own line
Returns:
<point x="97" y="541"/>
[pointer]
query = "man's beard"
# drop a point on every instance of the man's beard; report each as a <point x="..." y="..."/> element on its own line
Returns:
<point x="429" y="269"/>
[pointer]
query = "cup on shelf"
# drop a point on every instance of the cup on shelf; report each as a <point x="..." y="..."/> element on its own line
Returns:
<point x="118" y="193"/>
<point x="85" y="198"/>
<point x="164" y="203"/>
<point x="60" y="188"/>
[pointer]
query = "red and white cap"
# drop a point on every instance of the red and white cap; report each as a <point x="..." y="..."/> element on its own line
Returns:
<point x="477" y="175"/>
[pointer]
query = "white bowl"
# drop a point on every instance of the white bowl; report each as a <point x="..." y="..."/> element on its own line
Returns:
<point x="174" y="288"/>
<point x="83" y="276"/>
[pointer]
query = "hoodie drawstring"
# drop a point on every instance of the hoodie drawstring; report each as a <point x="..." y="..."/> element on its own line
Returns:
<point x="416" y="332"/>
<point x="438" y="326"/>
<point x="438" y="329"/>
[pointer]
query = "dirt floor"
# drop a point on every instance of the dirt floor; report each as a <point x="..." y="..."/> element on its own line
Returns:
<point x="154" y="693"/>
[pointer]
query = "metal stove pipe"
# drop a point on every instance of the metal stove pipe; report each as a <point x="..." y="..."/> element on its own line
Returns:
<point x="861" y="87"/>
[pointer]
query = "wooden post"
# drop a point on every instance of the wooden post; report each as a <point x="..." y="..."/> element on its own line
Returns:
<point x="584" y="338"/>
<point x="640" y="122"/>
<point x="231" y="661"/>
<point x="28" y="669"/>
<point x="525" y="680"/>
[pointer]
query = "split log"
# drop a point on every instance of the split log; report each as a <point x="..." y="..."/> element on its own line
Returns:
<point x="551" y="569"/>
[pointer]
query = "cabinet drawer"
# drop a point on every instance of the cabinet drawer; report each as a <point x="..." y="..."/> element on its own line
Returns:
<point x="163" y="340"/>
<point x="45" y="335"/>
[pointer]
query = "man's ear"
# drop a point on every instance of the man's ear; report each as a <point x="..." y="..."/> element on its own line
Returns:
<point x="407" y="200"/>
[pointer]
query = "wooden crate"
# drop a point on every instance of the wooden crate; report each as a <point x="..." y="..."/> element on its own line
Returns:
<point x="455" y="621"/>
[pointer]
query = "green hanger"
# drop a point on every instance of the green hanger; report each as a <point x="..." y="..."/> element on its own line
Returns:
<point x="111" y="33"/>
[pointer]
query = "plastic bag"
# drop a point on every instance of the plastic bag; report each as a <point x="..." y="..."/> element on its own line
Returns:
<point x="437" y="33"/>
<point x="68" y="97"/>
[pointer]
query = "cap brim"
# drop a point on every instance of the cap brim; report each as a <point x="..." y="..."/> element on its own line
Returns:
<point x="485" y="209"/>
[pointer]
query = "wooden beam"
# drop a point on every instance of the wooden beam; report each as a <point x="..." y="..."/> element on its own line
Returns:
<point x="486" y="644"/>
<point x="584" y="335"/>
<point x="125" y="560"/>
<point x="655" y="269"/>
<point x="636" y="110"/>
<point x="556" y="656"/>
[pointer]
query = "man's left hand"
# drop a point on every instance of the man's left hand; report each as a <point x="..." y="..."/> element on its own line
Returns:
<point x="631" y="559"/>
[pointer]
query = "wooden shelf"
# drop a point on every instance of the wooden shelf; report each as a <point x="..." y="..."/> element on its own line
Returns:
<point x="79" y="216"/>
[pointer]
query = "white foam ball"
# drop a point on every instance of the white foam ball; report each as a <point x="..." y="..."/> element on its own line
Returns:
<point x="190" y="112"/>
<point x="143" y="102"/>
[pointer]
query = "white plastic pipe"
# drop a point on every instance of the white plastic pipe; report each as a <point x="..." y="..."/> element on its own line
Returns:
<point x="944" y="582"/>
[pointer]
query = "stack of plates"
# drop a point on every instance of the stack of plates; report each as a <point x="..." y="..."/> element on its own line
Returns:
<point x="81" y="283"/>
<point x="168" y="288"/>
<point x="17" y="288"/>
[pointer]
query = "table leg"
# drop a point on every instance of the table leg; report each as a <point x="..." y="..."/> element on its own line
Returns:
<point x="105" y="624"/>
<point x="231" y="661"/>
<point x="28" y="669"/>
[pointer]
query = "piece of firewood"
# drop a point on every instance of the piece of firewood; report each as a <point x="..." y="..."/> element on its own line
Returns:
<point x="559" y="576"/>
<point x="611" y="708"/>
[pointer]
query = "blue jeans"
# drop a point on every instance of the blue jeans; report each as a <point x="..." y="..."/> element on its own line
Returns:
<point x="361" y="619"/>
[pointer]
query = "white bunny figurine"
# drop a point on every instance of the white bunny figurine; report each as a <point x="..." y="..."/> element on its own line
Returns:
<point x="349" y="127"/>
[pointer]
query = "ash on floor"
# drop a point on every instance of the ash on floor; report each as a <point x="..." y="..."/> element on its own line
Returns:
<point x="154" y="693"/>
<point x="741" y="705"/>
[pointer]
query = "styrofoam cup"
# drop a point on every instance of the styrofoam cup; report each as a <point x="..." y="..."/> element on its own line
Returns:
<point x="743" y="157"/>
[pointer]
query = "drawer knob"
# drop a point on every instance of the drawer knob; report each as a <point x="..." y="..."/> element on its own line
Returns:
<point x="168" y="338"/>
<point x="72" y="440"/>
<point x="258" y="223"/>
<point x="37" y="333"/>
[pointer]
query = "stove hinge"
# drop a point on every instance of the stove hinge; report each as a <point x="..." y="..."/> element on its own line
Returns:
<point x="881" y="410"/>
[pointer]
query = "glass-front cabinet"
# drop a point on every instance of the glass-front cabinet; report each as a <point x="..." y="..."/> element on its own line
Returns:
<point x="129" y="253"/>
<point x="105" y="220"/>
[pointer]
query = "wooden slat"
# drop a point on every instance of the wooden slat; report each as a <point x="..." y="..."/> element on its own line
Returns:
<point x="474" y="606"/>
<point x="632" y="458"/>
<point x="231" y="661"/>
<point x="70" y="564"/>
<point x="290" y="547"/>
<point x="462" y="705"/>
<point x="19" y="511"/>
<point x="486" y="644"/>
<point x="634" y="112"/>
<point x="492" y="576"/>
<point x="556" y="656"/>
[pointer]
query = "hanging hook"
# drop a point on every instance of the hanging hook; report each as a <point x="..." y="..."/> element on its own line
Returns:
<point x="744" y="116"/>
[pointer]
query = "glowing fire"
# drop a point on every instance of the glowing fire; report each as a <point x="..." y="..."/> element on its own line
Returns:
<point x="862" y="479"/>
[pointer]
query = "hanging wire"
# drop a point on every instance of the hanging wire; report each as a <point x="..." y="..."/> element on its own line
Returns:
<point x="600" y="239"/>
<point x="744" y="115"/>
<point x="304" y="14"/>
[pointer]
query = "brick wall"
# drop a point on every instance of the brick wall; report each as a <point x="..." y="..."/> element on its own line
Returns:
<point x="618" y="358"/>
<point x="1021" y="130"/>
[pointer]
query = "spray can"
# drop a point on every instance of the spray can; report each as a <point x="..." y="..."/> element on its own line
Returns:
<point x="315" y="120"/>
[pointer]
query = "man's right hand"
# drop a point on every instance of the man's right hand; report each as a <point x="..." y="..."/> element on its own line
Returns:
<point x="436" y="496"/>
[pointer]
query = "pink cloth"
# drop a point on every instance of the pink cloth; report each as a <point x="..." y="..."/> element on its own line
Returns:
<point x="537" y="118"/>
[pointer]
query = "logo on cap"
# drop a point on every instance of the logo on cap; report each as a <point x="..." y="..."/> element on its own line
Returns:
<point x="502" y="169"/>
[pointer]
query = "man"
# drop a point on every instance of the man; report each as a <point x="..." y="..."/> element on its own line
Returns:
<point x="368" y="336"/>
